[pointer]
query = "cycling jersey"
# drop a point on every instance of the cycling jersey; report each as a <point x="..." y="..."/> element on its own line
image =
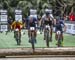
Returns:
<point x="59" y="25"/>
<point x="17" y="25"/>
<point x="32" y="23"/>
<point x="47" y="20"/>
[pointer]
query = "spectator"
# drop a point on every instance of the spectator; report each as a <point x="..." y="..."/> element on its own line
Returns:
<point x="72" y="16"/>
<point x="66" y="18"/>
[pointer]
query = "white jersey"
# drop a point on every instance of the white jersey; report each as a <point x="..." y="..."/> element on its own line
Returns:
<point x="43" y="17"/>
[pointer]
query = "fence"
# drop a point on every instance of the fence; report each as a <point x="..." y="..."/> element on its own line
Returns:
<point x="70" y="27"/>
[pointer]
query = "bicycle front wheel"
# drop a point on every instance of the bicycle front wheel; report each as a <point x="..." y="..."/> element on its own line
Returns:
<point x="47" y="39"/>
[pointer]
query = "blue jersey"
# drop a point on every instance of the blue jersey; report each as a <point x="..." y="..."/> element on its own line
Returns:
<point x="59" y="25"/>
<point x="32" y="23"/>
<point x="60" y="22"/>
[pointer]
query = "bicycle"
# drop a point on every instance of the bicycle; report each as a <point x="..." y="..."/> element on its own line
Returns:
<point x="32" y="37"/>
<point x="59" y="38"/>
<point x="17" y="36"/>
<point x="47" y="35"/>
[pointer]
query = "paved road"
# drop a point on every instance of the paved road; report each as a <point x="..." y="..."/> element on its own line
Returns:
<point x="50" y="58"/>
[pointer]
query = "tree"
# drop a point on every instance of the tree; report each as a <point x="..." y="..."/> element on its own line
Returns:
<point x="64" y="6"/>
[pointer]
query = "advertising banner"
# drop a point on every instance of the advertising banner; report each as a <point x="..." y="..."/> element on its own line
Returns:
<point x="18" y="15"/>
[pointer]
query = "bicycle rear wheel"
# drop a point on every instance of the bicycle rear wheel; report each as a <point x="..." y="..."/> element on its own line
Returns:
<point x="33" y="41"/>
<point x="59" y="42"/>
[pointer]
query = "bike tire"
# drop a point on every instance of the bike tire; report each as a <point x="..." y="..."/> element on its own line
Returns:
<point x="59" y="42"/>
<point x="47" y="39"/>
<point x="18" y="38"/>
<point x="33" y="43"/>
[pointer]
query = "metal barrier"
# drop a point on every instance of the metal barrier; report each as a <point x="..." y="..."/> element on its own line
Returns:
<point x="70" y="27"/>
<point x="3" y="20"/>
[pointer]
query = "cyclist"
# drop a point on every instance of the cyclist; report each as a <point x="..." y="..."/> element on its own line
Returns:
<point x="47" y="19"/>
<point x="60" y="25"/>
<point x="16" y="26"/>
<point x="32" y="23"/>
<point x="10" y="20"/>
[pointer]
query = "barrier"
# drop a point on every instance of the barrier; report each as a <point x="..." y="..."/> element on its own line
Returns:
<point x="3" y="20"/>
<point x="70" y="27"/>
<point x="4" y="28"/>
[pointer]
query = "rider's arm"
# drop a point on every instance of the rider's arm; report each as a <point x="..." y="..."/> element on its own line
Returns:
<point x="42" y="22"/>
<point x="21" y="24"/>
<point x="65" y="27"/>
<point x="13" y="25"/>
<point x="54" y="21"/>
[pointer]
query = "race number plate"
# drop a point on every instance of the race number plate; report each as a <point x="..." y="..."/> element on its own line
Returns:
<point x="58" y="32"/>
<point x="16" y="29"/>
<point x="47" y="26"/>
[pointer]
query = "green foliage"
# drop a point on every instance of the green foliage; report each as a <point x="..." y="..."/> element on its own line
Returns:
<point x="40" y="5"/>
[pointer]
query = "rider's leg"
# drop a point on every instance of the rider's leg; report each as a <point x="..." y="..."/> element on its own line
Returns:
<point x="56" y="36"/>
<point x="51" y="33"/>
<point x="40" y="29"/>
<point x="62" y="39"/>
<point x="29" y="33"/>
<point x="24" y="26"/>
<point x="14" y="33"/>
<point x="44" y="34"/>
<point x="35" y="33"/>
<point x="20" y="36"/>
<point x="62" y="36"/>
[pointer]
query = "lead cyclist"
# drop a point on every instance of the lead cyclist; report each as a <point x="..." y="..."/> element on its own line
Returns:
<point x="32" y="23"/>
<point x="48" y="19"/>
